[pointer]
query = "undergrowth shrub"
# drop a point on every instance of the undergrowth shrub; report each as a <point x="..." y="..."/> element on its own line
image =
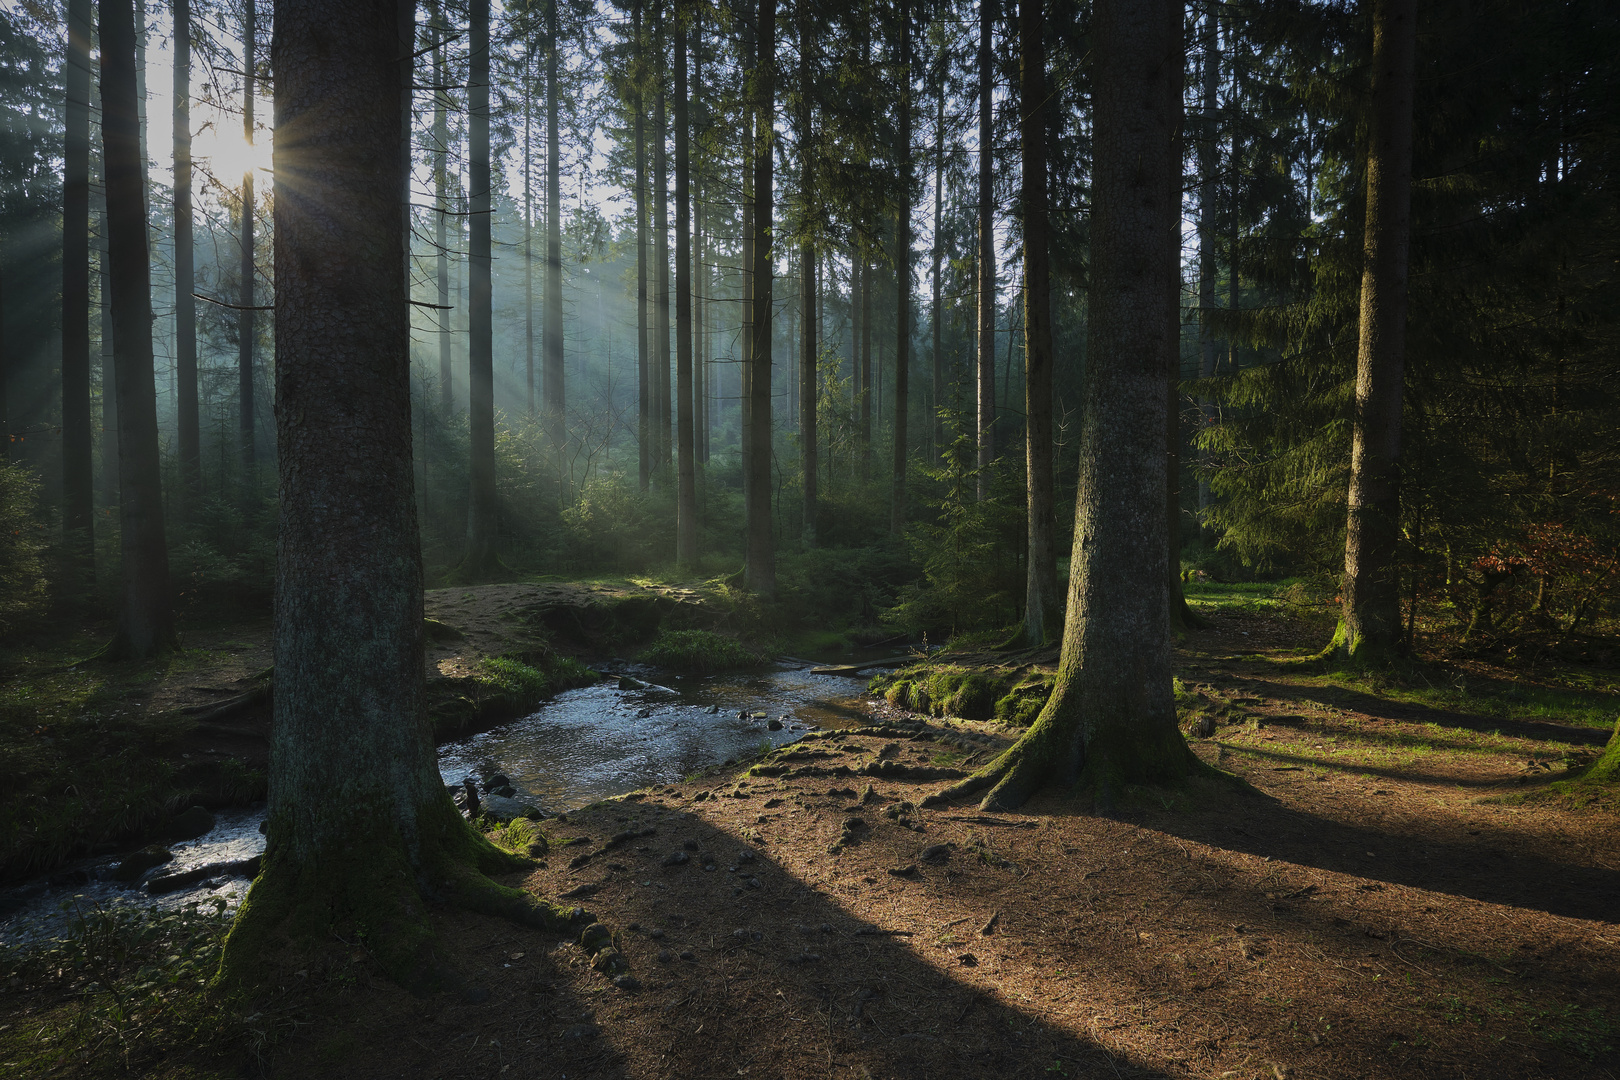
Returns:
<point x="697" y="651"/>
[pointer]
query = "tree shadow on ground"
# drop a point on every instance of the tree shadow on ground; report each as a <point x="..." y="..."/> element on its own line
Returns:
<point x="1479" y="867"/>
<point x="777" y="979"/>
<point x="1339" y="697"/>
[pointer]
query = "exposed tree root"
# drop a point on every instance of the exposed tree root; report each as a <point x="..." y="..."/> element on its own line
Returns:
<point x="376" y="891"/>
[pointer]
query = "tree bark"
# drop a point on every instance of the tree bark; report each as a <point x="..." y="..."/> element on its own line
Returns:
<point x="78" y="481"/>
<point x="660" y="373"/>
<point x="146" y="623"/>
<point x="1370" y="622"/>
<point x="986" y="398"/>
<point x="644" y="389"/>
<point x="937" y="426"/>
<point x="361" y="833"/>
<point x="809" y="345"/>
<point x="554" y="399"/>
<point x="441" y="239"/>
<point x="246" y="324"/>
<point x="189" y="434"/>
<point x="685" y="464"/>
<point x="482" y="559"/>
<point x="1042" y="604"/>
<point x="1110" y="721"/>
<point x="902" y="261"/>
<point x="760" y="569"/>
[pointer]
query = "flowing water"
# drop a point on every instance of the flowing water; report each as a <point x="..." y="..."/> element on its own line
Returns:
<point x="580" y="746"/>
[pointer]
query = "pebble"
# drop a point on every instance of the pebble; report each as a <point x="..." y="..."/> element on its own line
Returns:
<point x="676" y="858"/>
<point x="774" y="725"/>
<point x="689" y="845"/>
<point x="665" y="956"/>
<point x="745" y="855"/>
<point x="687" y="956"/>
<point x="627" y="982"/>
<point x="712" y="710"/>
<point x="580" y="1031"/>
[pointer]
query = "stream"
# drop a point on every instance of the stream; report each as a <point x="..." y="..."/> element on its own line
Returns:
<point x="646" y="727"/>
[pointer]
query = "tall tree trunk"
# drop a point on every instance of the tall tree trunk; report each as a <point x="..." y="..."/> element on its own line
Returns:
<point x="760" y="570"/>
<point x="866" y="367"/>
<point x="246" y="324"/>
<point x="1042" y="604"/>
<point x="78" y="481"/>
<point x="1111" y="719"/>
<point x="745" y="334"/>
<point x="937" y="427"/>
<point x="902" y="262"/>
<point x="660" y="373"/>
<point x="700" y="276"/>
<point x="555" y="399"/>
<point x="441" y="183"/>
<point x="685" y="464"/>
<point x="352" y="766"/>
<point x="528" y="238"/>
<point x="1370" y="622"/>
<point x="1208" y="166"/>
<point x="146" y="622"/>
<point x="481" y="559"/>
<point x="189" y="434"/>
<point x="109" y="366"/>
<point x="809" y="346"/>
<point x="644" y="434"/>
<point x="986" y="398"/>
<point x="1182" y="617"/>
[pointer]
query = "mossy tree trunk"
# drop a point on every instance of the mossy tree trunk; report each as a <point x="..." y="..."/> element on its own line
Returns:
<point x="1111" y="719"/>
<point x="362" y="834"/>
<point x="1370" y="627"/>
<point x="1606" y="769"/>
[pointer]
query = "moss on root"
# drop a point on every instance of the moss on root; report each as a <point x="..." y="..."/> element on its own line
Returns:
<point x="1011" y="695"/>
<point x="372" y="892"/>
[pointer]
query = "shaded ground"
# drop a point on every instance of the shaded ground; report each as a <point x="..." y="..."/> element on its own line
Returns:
<point x="1384" y="908"/>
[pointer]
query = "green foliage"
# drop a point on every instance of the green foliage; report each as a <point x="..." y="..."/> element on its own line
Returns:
<point x="524" y="684"/>
<point x="698" y="651"/>
<point x="132" y="975"/>
<point x="612" y="526"/>
<point x="968" y="553"/>
<point x="22" y="540"/>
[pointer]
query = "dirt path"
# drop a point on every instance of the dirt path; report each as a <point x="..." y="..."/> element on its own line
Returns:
<point x="1367" y="915"/>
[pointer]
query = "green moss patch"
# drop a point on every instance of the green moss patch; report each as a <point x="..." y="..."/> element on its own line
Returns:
<point x="698" y="651"/>
<point x="1011" y="695"/>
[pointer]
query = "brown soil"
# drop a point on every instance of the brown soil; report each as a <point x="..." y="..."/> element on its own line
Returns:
<point x="1365" y="915"/>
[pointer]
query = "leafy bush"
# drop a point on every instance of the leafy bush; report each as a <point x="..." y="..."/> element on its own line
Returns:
<point x="22" y="539"/>
<point x="699" y="651"/>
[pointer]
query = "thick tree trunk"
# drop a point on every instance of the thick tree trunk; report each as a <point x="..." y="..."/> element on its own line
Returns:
<point x="1111" y="719"/>
<point x="146" y="623"/>
<point x="1043" y="610"/>
<point x="189" y="434"/>
<point x="482" y="559"/>
<point x="760" y="570"/>
<point x="644" y="390"/>
<point x="441" y="239"/>
<point x="246" y="324"/>
<point x="660" y="373"/>
<point x="78" y="480"/>
<point x="902" y="261"/>
<point x="685" y="463"/>
<point x="1370" y="623"/>
<point x="362" y="835"/>
<point x="555" y="396"/>
<point x="986" y="398"/>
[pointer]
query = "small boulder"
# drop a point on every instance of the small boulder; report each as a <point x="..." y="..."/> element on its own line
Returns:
<point x="505" y="808"/>
<point x="773" y="725"/>
<point x="140" y="862"/>
<point x="191" y="824"/>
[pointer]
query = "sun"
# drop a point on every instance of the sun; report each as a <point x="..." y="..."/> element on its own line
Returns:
<point x="227" y="155"/>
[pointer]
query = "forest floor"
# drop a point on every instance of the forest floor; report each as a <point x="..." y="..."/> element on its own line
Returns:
<point x="1390" y="904"/>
